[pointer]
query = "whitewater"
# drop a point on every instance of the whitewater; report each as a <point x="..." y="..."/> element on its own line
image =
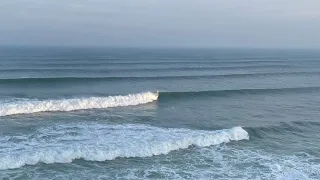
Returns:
<point x="93" y="113"/>
<point x="65" y="143"/>
<point x="34" y="106"/>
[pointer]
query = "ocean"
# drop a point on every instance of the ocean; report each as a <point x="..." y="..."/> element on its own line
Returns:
<point x="148" y="113"/>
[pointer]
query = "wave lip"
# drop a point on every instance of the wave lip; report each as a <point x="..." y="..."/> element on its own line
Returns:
<point x="106" y="142"/>
<point x="28" y="107"/>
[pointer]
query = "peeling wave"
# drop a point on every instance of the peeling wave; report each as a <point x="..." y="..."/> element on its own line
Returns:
<point x="33" y="106"/>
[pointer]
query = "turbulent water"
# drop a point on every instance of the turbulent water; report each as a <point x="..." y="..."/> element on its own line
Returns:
<point x="90" y="113"/>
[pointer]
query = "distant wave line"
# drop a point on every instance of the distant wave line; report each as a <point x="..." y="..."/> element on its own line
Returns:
<point x="137" y="61"/>
<point x="141" y="65"/>
<point x="137" y="69"/>
<point x="116" y="78"/>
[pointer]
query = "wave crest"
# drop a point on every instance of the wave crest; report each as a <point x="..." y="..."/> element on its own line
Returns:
<point x="27" y="107"/>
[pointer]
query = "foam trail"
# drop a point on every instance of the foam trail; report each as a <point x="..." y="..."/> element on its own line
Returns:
<point x="33" y="106"/>
<point x="99" y="142"/>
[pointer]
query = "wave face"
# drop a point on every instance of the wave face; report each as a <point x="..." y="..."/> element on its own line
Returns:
<point x="219" y="93"/>
<point x="99" y="142"/>
<point x="27" y="107"/>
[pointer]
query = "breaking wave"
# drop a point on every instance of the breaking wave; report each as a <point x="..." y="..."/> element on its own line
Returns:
<point x="33" y="106"/>
<point x="99" y="142"/>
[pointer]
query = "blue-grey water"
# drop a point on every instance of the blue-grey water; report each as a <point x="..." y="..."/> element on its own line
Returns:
<point x="112" y="113"/>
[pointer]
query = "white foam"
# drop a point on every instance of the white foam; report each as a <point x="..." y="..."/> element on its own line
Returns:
<point x="33" y="106"/>
<point x="222" y="162"/>
<point x="63" y="144"/>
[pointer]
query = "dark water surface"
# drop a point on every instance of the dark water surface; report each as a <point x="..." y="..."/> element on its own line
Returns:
<point x="85" y="113"/>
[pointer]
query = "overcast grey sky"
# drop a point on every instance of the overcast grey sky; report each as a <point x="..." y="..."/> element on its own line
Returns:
<point x="190" y="23"/>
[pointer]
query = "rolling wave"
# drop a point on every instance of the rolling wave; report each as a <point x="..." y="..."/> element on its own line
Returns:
<point x="33" y="106"/>
<point x="20" y="81"/>
<point x="28" y="106"/>
<point x="99" y="142"/>
<point x="284" y="128"/>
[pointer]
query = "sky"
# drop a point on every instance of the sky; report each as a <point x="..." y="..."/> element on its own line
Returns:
<point x="161" y="23"/>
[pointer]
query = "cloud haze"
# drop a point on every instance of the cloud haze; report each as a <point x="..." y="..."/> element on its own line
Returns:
<point x="191" y="23"/>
